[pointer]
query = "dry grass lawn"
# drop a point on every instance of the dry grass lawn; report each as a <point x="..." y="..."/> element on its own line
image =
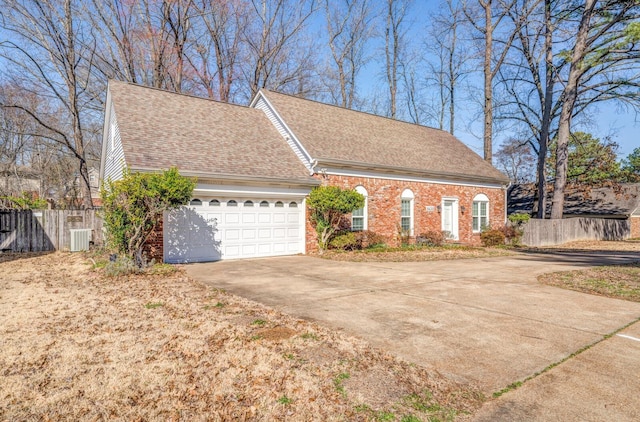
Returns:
<point x="616" y="281"/>
<point x="78" y="345"/>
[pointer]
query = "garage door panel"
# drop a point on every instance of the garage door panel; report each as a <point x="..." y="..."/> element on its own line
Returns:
<point x="228" y="228"/>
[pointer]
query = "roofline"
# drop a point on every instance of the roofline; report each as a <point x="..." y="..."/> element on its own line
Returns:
<point x="410" y="171"/>
<point x="307" y="182"/>
<point x="107" y="120"/>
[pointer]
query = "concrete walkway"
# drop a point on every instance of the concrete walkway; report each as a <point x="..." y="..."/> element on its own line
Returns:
<point x="485" y="322"/>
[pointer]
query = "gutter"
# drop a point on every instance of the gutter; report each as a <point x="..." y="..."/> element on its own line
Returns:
<point x="410" y="171"/>
<point x="208" y="177"/>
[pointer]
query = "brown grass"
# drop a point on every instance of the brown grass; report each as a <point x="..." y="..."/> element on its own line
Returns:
<point x="620" y="281"/>
<point x="595" y="245"/>
<point x="416" y="254"/>
<point x="77" y="345"/>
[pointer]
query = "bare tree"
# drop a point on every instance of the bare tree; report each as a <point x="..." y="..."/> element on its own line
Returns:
<point x="396" y="12"/>
<point x="349" y="29"/>
<point x="516" y="159"/>
<point x="486" y="17"/>
<point x="278" y="55"/>
<point x="51" y="55"/>
<point x="606" y="43"/>
<point x="218" y="46"/>
<point x="449" y="60"/>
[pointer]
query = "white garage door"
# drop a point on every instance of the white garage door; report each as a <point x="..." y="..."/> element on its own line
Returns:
<point x="226" y="228"/>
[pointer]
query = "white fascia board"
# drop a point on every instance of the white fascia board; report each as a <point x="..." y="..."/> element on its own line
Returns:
<point x="105" y="131"/>
<point x="249" y="191"/>
<point x="378" y="175"/>
<point x="309" y="161"/>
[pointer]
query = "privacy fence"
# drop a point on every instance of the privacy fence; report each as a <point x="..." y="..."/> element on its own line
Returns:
<point x="45" y="230"/>
<point x="556" y="232"/>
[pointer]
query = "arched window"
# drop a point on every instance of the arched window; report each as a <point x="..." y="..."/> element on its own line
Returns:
<point x="480" y="212"/>
<point x="359" y="216"/>
<point x="264" y="204"/>
<point x="232" y="203"/>
<point x="406" y="212"/>
<point x="279" y="204"/>
<point x="195" y="201"/>
<point x="248" y="203"/>
<point x="214" y="203"/>
<point x="293" y="204"/>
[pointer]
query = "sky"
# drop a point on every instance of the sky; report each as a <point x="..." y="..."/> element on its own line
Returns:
<point x="623" y="126"/>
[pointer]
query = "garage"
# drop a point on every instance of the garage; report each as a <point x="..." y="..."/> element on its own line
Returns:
<point x="210" y="229"/>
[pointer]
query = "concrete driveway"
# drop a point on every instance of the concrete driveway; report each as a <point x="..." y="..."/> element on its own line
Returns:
<point x="485" y="322"/>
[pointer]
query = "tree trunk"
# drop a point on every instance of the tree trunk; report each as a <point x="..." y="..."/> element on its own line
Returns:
<point x="570" y="95"/>
<point x="546" y="114"/>
<point x="488" y="86"/>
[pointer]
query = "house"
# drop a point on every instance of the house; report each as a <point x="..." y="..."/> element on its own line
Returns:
<point x="621" y="203"/>
<point x="255" y="165"/>
<point x="94" y="186"/>
<point x="16" y="180"/>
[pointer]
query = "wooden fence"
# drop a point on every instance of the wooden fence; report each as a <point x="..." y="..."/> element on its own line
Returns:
<point x="556" y="232"/>
<point x="45" y="230"/>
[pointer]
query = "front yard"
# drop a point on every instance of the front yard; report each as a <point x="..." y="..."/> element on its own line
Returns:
<point x="78" y="345"/>
<point x="416" y="254"/>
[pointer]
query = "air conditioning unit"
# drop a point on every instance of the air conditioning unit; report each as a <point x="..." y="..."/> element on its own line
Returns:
<point x="80" y="239"/>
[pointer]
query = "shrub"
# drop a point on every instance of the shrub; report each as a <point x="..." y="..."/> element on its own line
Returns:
<point x="512" y="234"/>
<point x="519" y="219"/>
<point x="431" y="238"/>
<point x="346" y="241"/>
<point x="121" y="265"/>
<point x="492" y="237"/>
<point x="133" y="205"/>
<point x="328" y="204"/>
<point x="369" y="239"/>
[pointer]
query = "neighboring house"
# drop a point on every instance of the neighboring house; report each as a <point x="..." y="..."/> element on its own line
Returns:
<point x="94" y="185"/>
<point x="14" y="181"/>
<point x="255" y="165"/>
<point x="621" y="203"/>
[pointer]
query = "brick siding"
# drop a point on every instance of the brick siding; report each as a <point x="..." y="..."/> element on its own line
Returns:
<point x="383" y="203"/>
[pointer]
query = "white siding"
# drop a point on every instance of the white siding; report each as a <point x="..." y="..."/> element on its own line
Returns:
<point x="114" y="162"/>
<point x="286" y="133"/>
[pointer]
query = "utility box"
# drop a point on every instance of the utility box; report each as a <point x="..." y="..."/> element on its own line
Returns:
<point x="80" y="239"/>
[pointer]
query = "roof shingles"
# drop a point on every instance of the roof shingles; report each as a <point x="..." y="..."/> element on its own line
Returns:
<point x="335" y="133"/>
<point x="160" y="129"/>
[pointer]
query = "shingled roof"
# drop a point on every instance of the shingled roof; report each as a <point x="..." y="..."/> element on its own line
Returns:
<point x="335" y="134"/>
<point x="161" y="129"/>
<point x="619" y="202"/>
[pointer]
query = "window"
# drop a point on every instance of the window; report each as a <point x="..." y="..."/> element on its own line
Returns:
<point x="232" y="203"/>
<point x="248" y="203"/>
<point x="264" y="204"/>
<point x="406" y="212"/>
<point x="214" y="203"/>
<point x="279" y="204"/>
<point x="480" y="212"/>
<point x="195" y="202"/>
<point x="359" y="216"/>
<point x="293" y="204"/>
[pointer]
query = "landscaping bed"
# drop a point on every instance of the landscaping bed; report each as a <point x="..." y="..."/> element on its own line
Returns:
<point x="416" y="254"/>
<point x="79" y="345"/>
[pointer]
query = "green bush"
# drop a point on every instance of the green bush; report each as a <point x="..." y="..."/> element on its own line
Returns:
<point x="431" y="238"/>
<point x="133" y="205"/>
<point x="25" y="202"/>
<point x="346" y="241"/>
<point x="519" y="219"/>
<point x="328" y="205"/>
<point x="492" y="237"/>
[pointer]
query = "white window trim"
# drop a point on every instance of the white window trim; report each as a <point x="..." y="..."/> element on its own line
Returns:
<point x="408" y="194"/>
<point x="365" y="210"/>
<point x="480" y="198"/>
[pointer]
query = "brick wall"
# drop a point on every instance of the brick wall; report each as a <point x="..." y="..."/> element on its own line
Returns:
<point x="383" y="202"/>
<point x="635" y="227"/>
<point x="154" y="246"/>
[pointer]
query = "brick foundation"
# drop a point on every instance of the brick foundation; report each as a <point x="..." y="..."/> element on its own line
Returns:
<point x="383" y="203"/>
